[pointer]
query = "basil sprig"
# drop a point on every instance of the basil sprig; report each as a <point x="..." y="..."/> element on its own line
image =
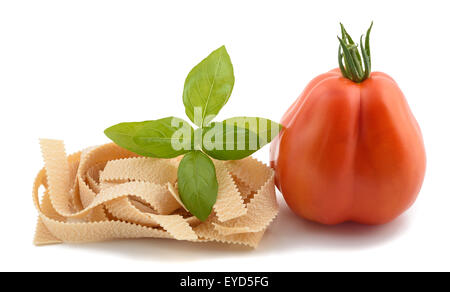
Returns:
<point x="207" y="89"/>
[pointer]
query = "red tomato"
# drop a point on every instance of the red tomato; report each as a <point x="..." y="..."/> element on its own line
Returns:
<point x="349" y="151"/>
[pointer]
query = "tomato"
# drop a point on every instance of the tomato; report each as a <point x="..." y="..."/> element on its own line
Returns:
<point x="350" y="149"/>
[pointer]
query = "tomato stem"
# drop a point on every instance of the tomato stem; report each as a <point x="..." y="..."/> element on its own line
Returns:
<point x="351" y="64"/>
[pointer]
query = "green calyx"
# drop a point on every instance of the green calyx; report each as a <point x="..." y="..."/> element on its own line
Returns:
<point x="354" y="65"/>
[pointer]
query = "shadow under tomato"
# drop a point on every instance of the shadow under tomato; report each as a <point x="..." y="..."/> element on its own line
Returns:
<point x="290" y="232"/>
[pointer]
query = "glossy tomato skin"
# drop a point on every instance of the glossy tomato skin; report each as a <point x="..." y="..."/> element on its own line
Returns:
<point x="349" y="151"/>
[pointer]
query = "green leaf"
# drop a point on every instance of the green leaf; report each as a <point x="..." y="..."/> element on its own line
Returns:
<point x="208" y="87"/>
<point x="228" y="141"/>
<point x="122" y="134"/>
<point x="163" y="138"/>
<point x="238" y="137"/>
<point x="197" y="184"/>
<point x="265" y="129"/>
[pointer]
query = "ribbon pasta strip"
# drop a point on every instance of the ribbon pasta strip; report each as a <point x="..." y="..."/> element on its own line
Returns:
<point x="106" y="192"/>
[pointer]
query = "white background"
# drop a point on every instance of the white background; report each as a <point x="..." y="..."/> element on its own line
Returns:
<point x="69" y="69"/>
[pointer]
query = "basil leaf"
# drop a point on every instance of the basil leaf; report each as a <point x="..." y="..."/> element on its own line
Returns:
<point x="208" y="87"/>
<point x="122" y="134"/>
<point x="265" y="129"/>
<point x="165" y="138"/>
<point x="228" y="141"/>
<point x="197" y="184"/>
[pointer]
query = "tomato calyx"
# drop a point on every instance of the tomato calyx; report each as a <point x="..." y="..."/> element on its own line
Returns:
<point x="354" y="65"/>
